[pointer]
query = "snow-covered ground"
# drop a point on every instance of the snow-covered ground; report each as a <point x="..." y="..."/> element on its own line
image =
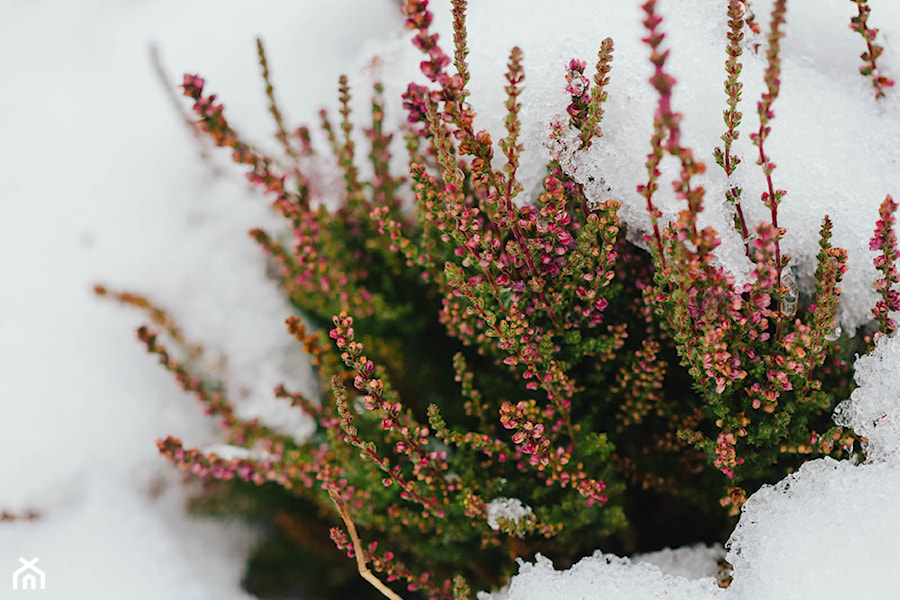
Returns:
<point x="101" y="182"/>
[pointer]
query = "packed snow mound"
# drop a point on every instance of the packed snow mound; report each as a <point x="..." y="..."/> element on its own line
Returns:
<point x="834" y="145"/>
<point x="605" y="577"/>
<point x="828" y="531"/>
<point x="120" y="196"/>
<point x="110" y="540"/>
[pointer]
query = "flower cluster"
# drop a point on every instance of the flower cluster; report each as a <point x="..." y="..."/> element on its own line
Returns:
<point x="586" y="110"/>
<point x="726" y="459"/>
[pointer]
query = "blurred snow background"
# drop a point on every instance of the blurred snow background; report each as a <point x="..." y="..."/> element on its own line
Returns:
<point x="102" y="182"/>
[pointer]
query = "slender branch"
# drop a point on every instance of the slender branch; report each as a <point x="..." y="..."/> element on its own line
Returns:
<point x="772" y="197"/>
<point x="282" y="135"/>
<point x="162" y="75"/>
<point x="732" y="115"/>
<point x="860" y="25"/>
<point x="358" y="551"/>
<point x="461" y="49"/>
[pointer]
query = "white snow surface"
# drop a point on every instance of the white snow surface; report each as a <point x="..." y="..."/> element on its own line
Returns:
<point x="605" y="576"/>
<point x="103" y="183"/>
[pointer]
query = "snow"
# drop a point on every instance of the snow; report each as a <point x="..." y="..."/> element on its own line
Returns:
<point x="604" y="576"/>
<point x="640" y="576"/>
<point x="229" y="452"/>
<point x="112" y="539"/>
<point x="103" y="183"/>
<point x="873" y="410"/>
<point x="505" y="508"/>
<point x="790" y="535"/>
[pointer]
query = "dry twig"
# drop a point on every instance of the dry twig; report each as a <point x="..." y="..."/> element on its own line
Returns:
<point x="358" y="549"/>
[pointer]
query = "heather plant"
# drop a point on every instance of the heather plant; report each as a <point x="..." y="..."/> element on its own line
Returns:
<point x="502" y="375"/>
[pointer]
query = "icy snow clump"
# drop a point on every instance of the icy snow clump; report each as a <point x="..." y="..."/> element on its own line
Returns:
<point x="873" y="410"/>
<point x="509" y="508"/>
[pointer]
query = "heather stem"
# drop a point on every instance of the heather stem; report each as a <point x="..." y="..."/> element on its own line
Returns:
<point x="282" y="134"/>
<point x="347" y="149"/>
<point x="663" y="84"/>
<point x="885" y="241"/>
<point x="194" y="127"/>
<point x="732" y="116"/>
<point x="859" y="24"/>
<point x="772" y="198"/>
<point x="591" y="127"/>
<point x="358" y="552"/>
<point x="733" y="86"/>
<point x="510" y="146"/>
<point x="460" y="46"/>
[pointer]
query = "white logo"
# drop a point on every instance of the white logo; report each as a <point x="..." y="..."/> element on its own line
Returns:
<point x="28" y="577"/>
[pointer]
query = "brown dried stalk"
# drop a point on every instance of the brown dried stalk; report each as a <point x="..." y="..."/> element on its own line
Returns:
<point x="157" y="316"/>
<point x="28" y="515"/>
<point x="358" y="551"/>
